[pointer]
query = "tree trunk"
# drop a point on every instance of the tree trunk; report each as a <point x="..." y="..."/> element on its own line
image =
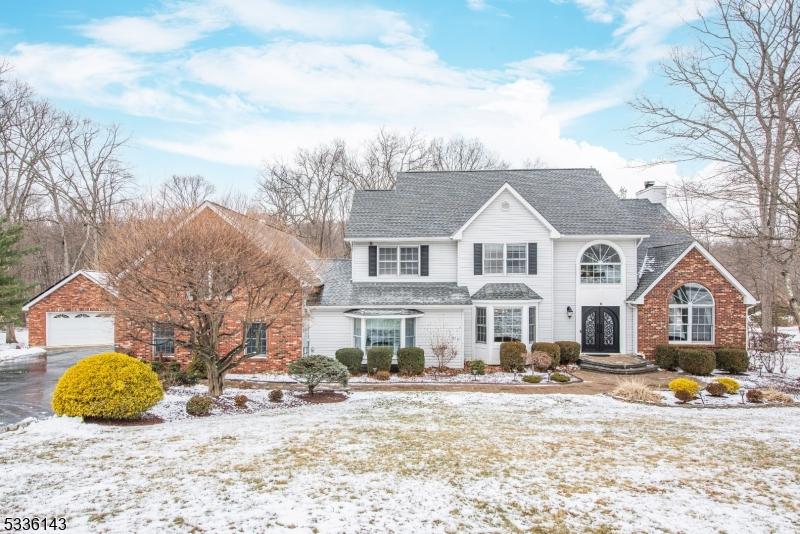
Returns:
<point x="215" y="379"/>
<point x="794" y="305"/>
<point x="767" y="295"/>
<point x="11" y="335"/>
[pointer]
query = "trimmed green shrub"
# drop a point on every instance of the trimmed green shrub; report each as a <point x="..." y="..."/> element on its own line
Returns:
<point x="109" y="385"/>
<point x="379" y="358"/>
<point x="275" y="395"/>
<point x="351" y="358"/>
<point x="477" y="367"/>
<point x="199" y="405"/>
<point x="197" y="368"/>
<point x="315" y="369"/>
<point x="667" y="357"/>
<point x="532" y="379"/>
<point x="735" y="361"/>
<point x="512" y="356"/>
<point x="560" y="377"/>
<point x="411" y="361"/>
<point x="697" y="361"/>
<point x="570" y="351"/>
<point x="550" y="348"/>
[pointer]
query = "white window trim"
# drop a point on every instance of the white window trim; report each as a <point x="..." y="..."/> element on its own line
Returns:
<point x="397" y="273"/>
<point x="621" y="264"/>
<point x="363" y="320"/>
<point x="505" y="260"/>
<point x="522" y="323"/>
<point x="689" y="307"/>
<point x="261" y="355"/>
<point x="153" y="343"/>
<point x="485" y="325"/>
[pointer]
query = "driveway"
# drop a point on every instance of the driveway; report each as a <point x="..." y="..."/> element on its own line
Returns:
<point x="26" y="385"/>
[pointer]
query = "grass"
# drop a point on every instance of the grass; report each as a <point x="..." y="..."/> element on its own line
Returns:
<point x="633" y="389"/>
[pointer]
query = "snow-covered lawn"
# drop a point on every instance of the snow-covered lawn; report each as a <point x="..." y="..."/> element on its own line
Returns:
<point x="173" y="406"/>
<point x="15" y="351"/>
<point x="418" y="462"/>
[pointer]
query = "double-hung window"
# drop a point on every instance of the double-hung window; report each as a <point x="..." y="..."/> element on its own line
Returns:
<point x="532" y="324"/>
<point x="409" y="260"/>
<point x="480" y="325"/>
<point x="357" y="333"/>
<point x="163" y="339"/>
<point x="517" y="258"/>
<point x="493" y="258"/>
<point x="411" y="332"/>
<point x="387" y="261"/>
<point x="255" y="340"/>
<point x="507" y="324"/>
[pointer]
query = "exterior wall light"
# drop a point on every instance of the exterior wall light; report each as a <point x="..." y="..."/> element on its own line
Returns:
<point x="569" y="312"/>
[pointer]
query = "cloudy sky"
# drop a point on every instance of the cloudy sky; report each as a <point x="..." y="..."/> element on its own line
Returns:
<point x="217" y="86"/>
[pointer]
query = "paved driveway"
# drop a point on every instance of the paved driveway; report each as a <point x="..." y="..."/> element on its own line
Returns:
<point x="26" y="385"/>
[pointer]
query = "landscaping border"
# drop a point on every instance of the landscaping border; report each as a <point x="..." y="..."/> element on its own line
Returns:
<point x="749" y="405"/>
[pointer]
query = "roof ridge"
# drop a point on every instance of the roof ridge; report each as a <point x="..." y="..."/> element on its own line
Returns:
<point x="502" y="170"/>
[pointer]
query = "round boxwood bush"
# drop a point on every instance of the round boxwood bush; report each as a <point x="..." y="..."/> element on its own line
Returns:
<point x="570" y="351"/>
<point x="109" y="385"/>
<point x="560" y="377"/>
<point x="351" y="357"/>
<point x="735" y="361"/>
<point x="684" y="384"/>
<point x="411" y="361"/>
<point x="379" y="358"/>
<point x="697" y="361"/>
<point x="715" y="389"/>
<point x="512" y="356"/>
<point x="550" y="348"/>
<point x="199" y="405"/>
<point x="477" y="367"/>
<point x="667" y="357"/>
<point x="532" y="379"/>
<point x="275" y="395"/>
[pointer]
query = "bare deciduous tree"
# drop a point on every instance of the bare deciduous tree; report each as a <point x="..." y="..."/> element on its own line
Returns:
<point x="444" y="346"/>
<point x="744" y="83"/>
<point x="204" y="285"/>
<point x="186" y="192"/>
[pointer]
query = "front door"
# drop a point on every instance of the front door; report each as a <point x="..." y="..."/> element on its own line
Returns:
<point x="600" y="329"/>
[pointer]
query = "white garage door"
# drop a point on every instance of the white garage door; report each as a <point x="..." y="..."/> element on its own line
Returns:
<point x="74" y="329"/>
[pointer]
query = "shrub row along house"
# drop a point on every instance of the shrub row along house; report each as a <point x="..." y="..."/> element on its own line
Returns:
<point x="468" y="260"/>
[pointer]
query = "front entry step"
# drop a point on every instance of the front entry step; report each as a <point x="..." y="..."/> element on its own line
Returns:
<point x="618" y="364"/>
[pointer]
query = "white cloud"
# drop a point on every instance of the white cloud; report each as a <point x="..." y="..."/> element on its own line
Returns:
<point x="141" y="34"/>
<point x="476" y="5"/>
<point x="545" y="63"/>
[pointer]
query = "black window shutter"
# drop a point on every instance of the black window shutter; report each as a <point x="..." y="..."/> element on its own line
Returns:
<point x="423" y="260"/>
<point x="477" y="258"/>
<point x="373" y="260"/>
<point x="532" y="258"/>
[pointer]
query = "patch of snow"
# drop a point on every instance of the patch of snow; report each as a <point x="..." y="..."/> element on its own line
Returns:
<point x="428" y="378"/>
<point x="22" y="337"/>
<point x="173" y="406"/>
<point x="9" y="352"/>
<point x="417" y="462"/>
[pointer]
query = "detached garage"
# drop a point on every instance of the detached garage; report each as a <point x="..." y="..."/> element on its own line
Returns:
<point x="72" y="312"/>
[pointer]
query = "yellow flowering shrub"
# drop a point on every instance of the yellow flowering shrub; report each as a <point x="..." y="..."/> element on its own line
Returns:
<point x="109" y="385"/>
<point x="684" y="384"/>
<point x="731" y="385"/>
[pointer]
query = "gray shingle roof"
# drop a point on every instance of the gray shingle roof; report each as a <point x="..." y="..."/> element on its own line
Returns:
<point x="656" y="261"/>
<point x="506" y="292"/>
<point x="340" y="290"/>
<point x="436" y="204"/>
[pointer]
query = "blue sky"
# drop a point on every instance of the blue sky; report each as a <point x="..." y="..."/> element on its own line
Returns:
<point x="217" y="86"/>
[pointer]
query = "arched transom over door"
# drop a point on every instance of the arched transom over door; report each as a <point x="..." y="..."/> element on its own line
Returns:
<point x="600" y="329"/>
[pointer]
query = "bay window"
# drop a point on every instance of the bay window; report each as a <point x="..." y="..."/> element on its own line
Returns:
<point x="383" y="333"/>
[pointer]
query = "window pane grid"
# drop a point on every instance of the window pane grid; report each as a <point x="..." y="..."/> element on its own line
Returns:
<point x="691" y="315"/>
<point x="411" y="340"/>
<point x="480" y="325"/>
<point x="493" y="259"/>
<point x="163" y="338"/>
<point x="601" y="264"/>
<point x="256" y="339"/>
<point x="409" y="260"/>
<point x="357" y="333"/>
<point x="387" y="260"/>
<point x="507" y="324"/>
<point x="531" y="325"/>
<point x="517" y="259"/>
<point x="383" y="333"/>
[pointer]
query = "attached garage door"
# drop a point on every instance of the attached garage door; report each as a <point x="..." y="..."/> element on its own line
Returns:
<point x="74" y="329"/>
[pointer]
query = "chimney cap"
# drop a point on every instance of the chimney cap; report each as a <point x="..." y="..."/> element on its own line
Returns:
<point x="649" y="183"/>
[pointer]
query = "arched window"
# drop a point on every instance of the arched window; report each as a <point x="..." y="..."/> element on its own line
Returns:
<point x="691" y="315"/>
<point x="601" y="264"/>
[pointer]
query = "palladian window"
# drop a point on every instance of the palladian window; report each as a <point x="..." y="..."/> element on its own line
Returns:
<point x="691" y="315"/>
<point x="601" y="264"/>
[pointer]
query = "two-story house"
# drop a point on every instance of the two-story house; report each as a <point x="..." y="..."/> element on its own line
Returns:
<point x="481" y="257"/>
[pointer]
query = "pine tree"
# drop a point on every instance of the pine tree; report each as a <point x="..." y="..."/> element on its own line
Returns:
<point x="12" y="290"/>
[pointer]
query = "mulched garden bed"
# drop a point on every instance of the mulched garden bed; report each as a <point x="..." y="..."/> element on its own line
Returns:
<point x="322" y="397"/>
<point x="146" y="420"/>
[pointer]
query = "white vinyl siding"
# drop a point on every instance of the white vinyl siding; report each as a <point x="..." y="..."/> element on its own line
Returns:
<point x="516" y="226"/>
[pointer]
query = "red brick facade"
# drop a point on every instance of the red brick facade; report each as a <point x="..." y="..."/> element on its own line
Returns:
<point x="79" y="294"/>
<point x="284" y="335"/>
<point x="730" y="311"/>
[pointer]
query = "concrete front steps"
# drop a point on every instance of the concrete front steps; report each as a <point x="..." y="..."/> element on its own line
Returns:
<point x="618" y="364"/>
